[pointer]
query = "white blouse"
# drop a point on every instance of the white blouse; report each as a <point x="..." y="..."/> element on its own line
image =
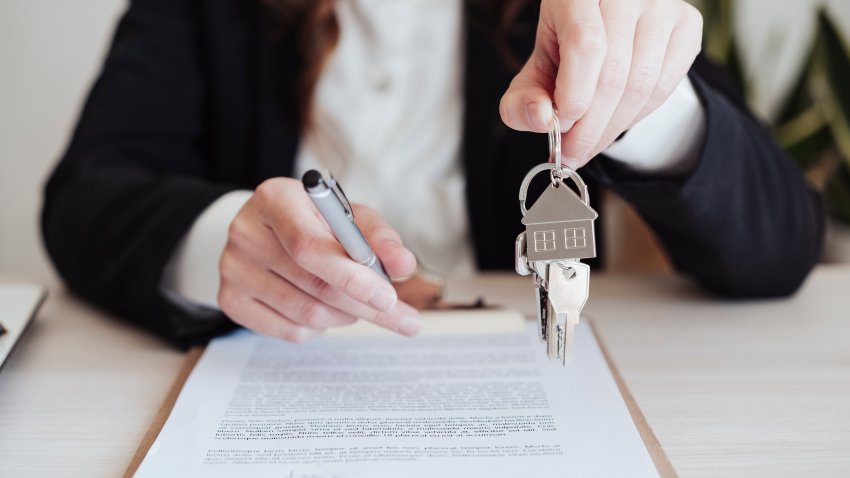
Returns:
<point x="388" y="112"/>
<point x="388" y="120"/>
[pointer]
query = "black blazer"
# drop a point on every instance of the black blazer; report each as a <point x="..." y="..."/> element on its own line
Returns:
<point x="196" y="99"/>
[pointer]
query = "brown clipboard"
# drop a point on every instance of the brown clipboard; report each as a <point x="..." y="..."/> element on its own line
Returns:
<point x="659" y="457"/>
<point x="650" y="441"/>
<point x="192" y="357"/>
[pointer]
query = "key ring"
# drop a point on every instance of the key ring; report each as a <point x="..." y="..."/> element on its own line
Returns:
<point x="564" y="172"/>
<point x="556" y="170"/>
<point x="555" y="148"/>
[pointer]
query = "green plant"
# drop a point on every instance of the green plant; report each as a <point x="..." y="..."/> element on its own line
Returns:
<point x="814" y="122"/>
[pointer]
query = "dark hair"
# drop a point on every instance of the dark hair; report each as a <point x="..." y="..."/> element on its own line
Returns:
<point x="317" y="34"/>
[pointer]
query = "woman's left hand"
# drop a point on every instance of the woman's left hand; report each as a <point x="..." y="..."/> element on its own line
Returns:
<point x="605" y="64"/>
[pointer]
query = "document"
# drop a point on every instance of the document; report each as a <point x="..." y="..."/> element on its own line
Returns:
<point x="473" y="395"/>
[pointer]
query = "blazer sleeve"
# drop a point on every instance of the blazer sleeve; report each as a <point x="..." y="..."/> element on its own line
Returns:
<point x="743" y="223"/>
<point x="132" y="180"/>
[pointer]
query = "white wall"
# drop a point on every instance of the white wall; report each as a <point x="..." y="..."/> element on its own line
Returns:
<point x="50" y="51"/>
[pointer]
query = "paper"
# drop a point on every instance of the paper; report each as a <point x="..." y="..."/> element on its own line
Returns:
<point x="474" y="395"/>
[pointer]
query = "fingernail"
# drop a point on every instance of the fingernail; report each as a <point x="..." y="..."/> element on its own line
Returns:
<point x="300" y="334"/>
<point x="571" y="163"/>
<point x="410" y="325"/>
<point x="383" y="299"/>
<point x="566" y="125"/>
<point x="539" y="116"/>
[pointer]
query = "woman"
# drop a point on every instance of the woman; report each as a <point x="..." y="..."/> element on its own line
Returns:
<point x="175" y="199"/>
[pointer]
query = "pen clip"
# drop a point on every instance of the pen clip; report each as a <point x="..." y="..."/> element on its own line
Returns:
<point x="338" y="192"/>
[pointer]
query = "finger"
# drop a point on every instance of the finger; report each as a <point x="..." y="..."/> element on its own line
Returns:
<point x="245" y="242"/>
<point x="651" y="38"/>
<point x="304" y="236"/>
<point x="620" y="24"/>
<point x="257" y="280"/>
<point x="684" y="45"/>
<point x="250" y="238"/>
<point x="582" y="50"/>
<point x="290" y="301"/>
<point x="401" y="318"/>
<point x="398" y="261"/>
<point x="527" y="104"/>
<point x="259" y="317"/>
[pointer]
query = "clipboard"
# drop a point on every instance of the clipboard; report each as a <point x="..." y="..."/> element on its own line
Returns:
<point x="656" y="452"/>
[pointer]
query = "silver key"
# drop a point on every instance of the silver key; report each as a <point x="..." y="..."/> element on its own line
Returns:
<point x="542" y="296"/>
<point x="559" y="232"/>
<point x="539" y="271"/>
<point x="520" y="259"/>
<point x="567" y="294"/>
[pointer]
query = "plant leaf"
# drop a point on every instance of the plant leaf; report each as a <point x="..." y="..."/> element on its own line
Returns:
<point x="837" y="194"/>
<point x="810" y="149"/>
<point x="837" y="67"/>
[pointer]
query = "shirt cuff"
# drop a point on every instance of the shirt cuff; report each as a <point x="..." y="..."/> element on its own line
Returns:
<point x="667" y="142"/>
<point x="191" y="278"/>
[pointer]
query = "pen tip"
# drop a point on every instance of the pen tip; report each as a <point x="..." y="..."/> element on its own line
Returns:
<point x="311" y="179"/>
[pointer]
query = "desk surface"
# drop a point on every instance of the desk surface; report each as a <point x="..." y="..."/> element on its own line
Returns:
<point x="730" y="388"/>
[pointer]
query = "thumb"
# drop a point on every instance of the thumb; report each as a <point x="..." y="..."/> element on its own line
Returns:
<point x="398" y="261"/>
<point x="527" y="104"/>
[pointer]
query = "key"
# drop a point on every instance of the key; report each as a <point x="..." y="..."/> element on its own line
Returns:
<point x="567" y="294"/>
<point x="520" y="259"/>
<point x="542" y="296"/>
<point x="538" y="270"/>
<point x="559" y="231"/>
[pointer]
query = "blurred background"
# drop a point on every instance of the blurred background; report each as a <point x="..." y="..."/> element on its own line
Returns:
<point x="791" y="57"/>
<point x="50" y="52"/>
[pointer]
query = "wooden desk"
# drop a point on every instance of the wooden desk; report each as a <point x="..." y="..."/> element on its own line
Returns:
<point x="729" y="388"/>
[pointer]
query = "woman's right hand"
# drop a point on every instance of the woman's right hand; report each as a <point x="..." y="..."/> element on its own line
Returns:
<point x="283" y="274"/>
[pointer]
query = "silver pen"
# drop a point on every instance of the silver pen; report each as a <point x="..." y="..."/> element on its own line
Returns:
<point x="331" y="202"/>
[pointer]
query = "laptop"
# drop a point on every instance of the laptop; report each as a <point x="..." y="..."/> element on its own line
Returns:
<point x="19" y="303"/>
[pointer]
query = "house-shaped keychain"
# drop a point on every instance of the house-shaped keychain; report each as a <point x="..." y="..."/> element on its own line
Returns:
<point x="559" y="225"/>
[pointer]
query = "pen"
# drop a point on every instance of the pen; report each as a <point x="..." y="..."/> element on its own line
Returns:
<point x="331" y="202"/>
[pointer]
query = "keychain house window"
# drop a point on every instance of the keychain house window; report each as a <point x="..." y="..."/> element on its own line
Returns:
<point x="575" y="238"/>
<point x="559" y="223"/>
<point x="544" y="240"/>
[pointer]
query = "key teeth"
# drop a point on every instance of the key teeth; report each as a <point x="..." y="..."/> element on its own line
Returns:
<point x="560" y="335"/>
<point x="541" y="313"/>
<point x="553" y="344"/>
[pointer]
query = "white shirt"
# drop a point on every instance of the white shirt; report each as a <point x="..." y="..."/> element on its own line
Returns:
<point x="388" y="112"/>
<point x="388" y="120"/>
